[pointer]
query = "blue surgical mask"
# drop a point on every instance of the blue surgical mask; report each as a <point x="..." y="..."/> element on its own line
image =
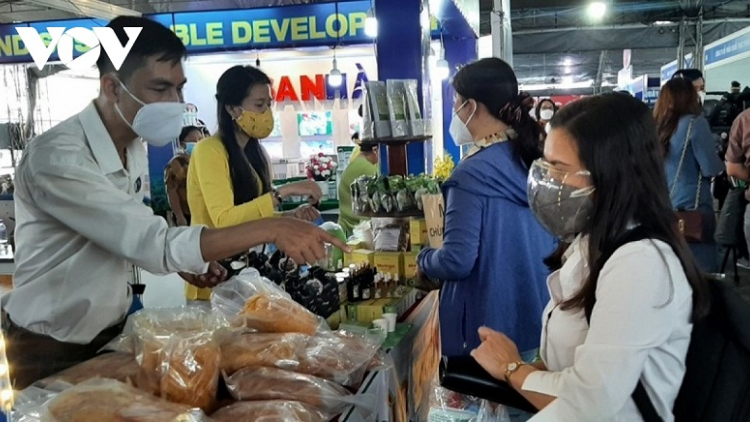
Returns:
<point x="189" y="147"/>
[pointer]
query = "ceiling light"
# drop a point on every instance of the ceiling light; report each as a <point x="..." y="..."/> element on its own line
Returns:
<point x="568" y="62"/>
<point x="335" y="79"/>
<point x="568" y="69"/>
<point x="597" y="9"/>
<point x="371" y="24"/>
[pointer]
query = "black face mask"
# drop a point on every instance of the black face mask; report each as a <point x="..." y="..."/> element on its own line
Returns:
<point x="563" y="209"/>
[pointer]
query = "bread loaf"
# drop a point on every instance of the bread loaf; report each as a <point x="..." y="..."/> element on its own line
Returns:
<point x="270" y="411"/>
<point x="117" y="366"/>
<point x="99" y="400"/>
<point x="276" y="314"/>
<point x="248" y="350"/>
<point x="255" y="384"/>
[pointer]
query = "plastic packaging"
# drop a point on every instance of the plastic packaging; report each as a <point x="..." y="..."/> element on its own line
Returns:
<point x="255" y="384"/>
<point x="178" y="354"/>
<point x="341" y="356"/>
<point x="397" y="107"/>
<point x="363" y="232"/>
<point x="100" y="400"/>
<point x="448" y="406"/>
<point x="249" y="350"/>
<point x="377" y="96"/>
<point x="229" y="297"/>
<point x="273" y="314"/>
<point x="270" y="411"/>
<point x="117" y="366"/>
<point x="391" y="234"/>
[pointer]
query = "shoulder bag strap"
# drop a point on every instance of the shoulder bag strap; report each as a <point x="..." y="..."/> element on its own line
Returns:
<point x="640" y="395"/>
<point x="680" y="165"/>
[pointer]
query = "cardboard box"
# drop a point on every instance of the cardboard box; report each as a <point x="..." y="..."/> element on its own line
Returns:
<point x="363" y="256"/>
<point x="390" y="263"/>
<point x="353" y="245"/>
<point x="410" y="265"/>
<point x="418" y="232"/>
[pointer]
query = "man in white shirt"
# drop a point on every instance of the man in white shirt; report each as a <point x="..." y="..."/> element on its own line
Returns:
<point x="81" y="221"/>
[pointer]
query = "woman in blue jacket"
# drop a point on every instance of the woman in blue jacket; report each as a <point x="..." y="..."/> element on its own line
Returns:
<point x="491" y="261"/>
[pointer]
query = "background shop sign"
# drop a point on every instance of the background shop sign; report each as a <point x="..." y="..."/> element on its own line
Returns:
<point x="725" y="50"/>
<point x="230" y="30"/>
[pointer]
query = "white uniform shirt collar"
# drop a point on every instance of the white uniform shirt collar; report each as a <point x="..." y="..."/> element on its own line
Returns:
<point x="101" y="143"/>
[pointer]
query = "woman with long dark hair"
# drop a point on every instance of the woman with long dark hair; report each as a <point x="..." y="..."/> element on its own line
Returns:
<point x="602" y="182"/>
<point x="691" y="159"/>
<point x="491" y="258"/>
<point x="229" y="179"/>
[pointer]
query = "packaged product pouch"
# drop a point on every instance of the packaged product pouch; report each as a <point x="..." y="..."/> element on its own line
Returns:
<point x="229" y="298"/>
<point x="255" y="384"/>
<point x="98" y="400"/>
<point x="270" y="411"/>
<point x="249" y="350"/>
<point x="274" y="314"/>
<point x="178" y="353"/>
<point x="397" y="108"/>
<point x="377" y="99"/>
<point x="413" y="114"/>
<point x="341" y="356"/>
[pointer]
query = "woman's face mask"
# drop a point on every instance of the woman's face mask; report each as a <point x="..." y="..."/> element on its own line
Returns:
<point x="561" y="201"/>
<point x="546" y="114"/>
<point x="256" y="125"/>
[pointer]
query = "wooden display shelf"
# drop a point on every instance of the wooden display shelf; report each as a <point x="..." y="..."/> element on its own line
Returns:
<point x="395" y="214"/>
<point x="397" y="140"/>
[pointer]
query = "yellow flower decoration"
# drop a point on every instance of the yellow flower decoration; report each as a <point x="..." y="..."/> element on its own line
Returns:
<point x="443" y="167"/>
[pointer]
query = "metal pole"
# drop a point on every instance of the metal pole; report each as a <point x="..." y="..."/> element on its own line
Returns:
<point x="502" y="33"/>
<point x="600" y="72"/>
<point x="681" y="44"/>
<point x="698" y="56"/>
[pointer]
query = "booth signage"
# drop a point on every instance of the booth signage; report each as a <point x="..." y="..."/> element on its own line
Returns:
<point x="321" y="24"/>
<point x="317" y="87"/>
<point x="727" y="49"/>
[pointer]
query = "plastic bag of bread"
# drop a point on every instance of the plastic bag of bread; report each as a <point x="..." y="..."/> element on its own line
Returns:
<point x="99" y="399"/>
<point x="229" y="298"/>
<point x="341" y="356"/>
<point x="117" y="366"/>
<point x="276" y="314"/>
<point x="254" y="384"/>
<point x="270" y="411"/>
<point x="249" y="350"/>
<point x="178" y="353"/>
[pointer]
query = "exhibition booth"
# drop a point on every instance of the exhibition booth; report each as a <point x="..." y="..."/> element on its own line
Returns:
<point x="304" y="49"/>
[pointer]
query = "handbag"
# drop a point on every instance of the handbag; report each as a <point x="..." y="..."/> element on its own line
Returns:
<point x="464" y="375"/>
<point x="689" y="222"/>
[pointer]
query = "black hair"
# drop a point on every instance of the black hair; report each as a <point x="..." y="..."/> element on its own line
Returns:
<point x="359" y="110"/>
<point x="539" y="107"/>
<point x="367" y="146"/>
<point x="154" y="40"/>
<point x="186" y="131"/>
<point x="231" y="90"/>
<point x="493" y="83"/>
<point x="690" y="74"/>
<point x="735" y="84"/>
<point x="617" y="143"/>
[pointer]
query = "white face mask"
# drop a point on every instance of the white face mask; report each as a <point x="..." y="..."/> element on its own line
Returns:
<point x="459" y="130"/>
<point x="546" y="114"/>
<point x="157" y="123"/>
<point x="702" y="97"/>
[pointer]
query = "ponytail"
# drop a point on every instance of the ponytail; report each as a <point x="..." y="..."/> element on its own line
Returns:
<point x="516" y="114"/>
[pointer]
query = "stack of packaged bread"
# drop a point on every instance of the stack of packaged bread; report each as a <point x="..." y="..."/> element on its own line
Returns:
<point x="264" y="359"/>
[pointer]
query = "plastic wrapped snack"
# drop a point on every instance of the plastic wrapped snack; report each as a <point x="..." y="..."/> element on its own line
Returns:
<point x="274" y="314"/>
<point x="116" y="366"/>
<point x="340" y="356"/>
<point x="270" y="411"/>
<point x="255" y="384"/>
<point x="179" y="355"/>
<point x="249" y="350"/>
<point x="230" y="297"/>
<point x="98" y="400"/>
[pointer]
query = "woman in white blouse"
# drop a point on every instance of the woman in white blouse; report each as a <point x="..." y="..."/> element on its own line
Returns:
<point x="601" y="177"/>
